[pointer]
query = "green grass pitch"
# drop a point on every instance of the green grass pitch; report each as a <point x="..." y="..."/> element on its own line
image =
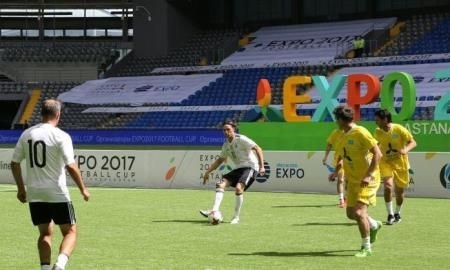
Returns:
<point x="162" y="229"/>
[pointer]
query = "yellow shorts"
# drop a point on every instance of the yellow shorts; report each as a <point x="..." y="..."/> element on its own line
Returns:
<point x="339" y="172"/>
<point x="399" y="174"/>
<point x="366" y="195"/>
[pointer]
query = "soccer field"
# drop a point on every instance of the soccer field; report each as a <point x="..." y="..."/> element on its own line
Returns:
<point x="162" y="229"/>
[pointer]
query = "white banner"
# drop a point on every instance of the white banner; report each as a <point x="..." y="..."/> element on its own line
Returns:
<point x="5" y="167"/>
<point x="304" y="172"/>
<point x="138" y="90"/>
<point x="162" y="70"/>
<point x="223" y="108"/>
<point x="399" y="59"/>
<point x="100" y="168"/>
<point x="299" y="43"/>
<point x="287" y="171"/>
<point x="168" y="109"/>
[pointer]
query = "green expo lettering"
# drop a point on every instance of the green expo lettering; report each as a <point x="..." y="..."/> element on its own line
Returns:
<point x="385" y="90"/>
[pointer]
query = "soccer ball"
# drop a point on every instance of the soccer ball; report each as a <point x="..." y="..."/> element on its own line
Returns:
<point x="215" y="217"/>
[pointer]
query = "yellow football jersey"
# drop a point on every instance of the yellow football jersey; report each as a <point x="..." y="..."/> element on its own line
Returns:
<point x="354" y="151"/>
<point x="391" y="142"/>
<point x="334" y="139"/>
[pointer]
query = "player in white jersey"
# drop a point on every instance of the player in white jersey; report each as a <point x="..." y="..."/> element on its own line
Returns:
<point x="48" y="152"/>
<point x="249" y="162"/>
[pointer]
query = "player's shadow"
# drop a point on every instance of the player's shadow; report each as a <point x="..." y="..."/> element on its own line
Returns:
<point x="327" y="253"/>
<point x="8" y="190"/>
<point x="305" y="206"/>
<point x="196" y="221"/>
<point x="327" y="224"/>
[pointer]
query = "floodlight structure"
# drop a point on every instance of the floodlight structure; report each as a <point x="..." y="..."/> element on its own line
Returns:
<point x="149" y="16"/>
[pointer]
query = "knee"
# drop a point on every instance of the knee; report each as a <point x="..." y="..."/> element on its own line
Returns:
<point x="220" y="185"/>
<point x="350" y="213"/>
<point x="45" y="238"/>
<point x="399" y="191"/>
<point x="355" y="213"/>
<point x="45" y="235"/>
<point x="70" y="229"/>
<point x="239" y="189"/>
<point x="359" y="214"/>
<point x="388" y="185"/>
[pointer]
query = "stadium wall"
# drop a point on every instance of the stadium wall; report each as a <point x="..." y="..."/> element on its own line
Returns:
<point x="293" y="154"/>
<point x="159" y="27"/>
<point x="60" y="71"/>
<point x="431" y="136"/>
<point x="287" y="171"/>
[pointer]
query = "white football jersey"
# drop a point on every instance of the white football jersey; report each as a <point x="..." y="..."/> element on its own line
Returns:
<point x="241" y="152"/>
<point x="47" y="150"/>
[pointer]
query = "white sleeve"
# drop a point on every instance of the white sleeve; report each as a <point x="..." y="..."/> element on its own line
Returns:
<point x="67" y="149"/>
<point x="19" y="153"/>
<point x="247" y="142"/>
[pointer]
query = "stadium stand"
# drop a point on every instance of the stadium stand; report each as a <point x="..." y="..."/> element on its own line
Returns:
<point x="237" y="86"/>
<point x="304" y="42"/>
<point x="424" y="33"/>
<point x="435" y="41"/>
<point x="39" y="61"/>
<point x="183" y="119"/>
<point x="58" y="52"/>
<point x="72" y="117"/>
<point x="203" y="49"/>
<point x="13" y="87"/>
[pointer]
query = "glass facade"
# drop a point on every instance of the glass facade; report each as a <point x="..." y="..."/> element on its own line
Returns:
<point x="52" y="19"/>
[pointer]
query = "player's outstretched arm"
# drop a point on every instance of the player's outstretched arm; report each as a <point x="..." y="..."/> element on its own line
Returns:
<point x="327" y="152"/>
<point x="333" y="176"/>
<point x="213" y="166"/>
<point x="74" y="172"/>
<point x="260" y="155"/>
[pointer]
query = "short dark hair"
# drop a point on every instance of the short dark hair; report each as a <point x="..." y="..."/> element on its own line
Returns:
<point x="384" y="114"/>
<point x="344" y="112"/>
<point x="50" y="107"/>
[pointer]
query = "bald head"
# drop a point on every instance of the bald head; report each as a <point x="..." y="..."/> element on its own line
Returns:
<point x="51" y="109"/>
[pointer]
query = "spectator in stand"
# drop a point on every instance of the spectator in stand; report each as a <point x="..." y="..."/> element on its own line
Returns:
<point x="358" y="46"/>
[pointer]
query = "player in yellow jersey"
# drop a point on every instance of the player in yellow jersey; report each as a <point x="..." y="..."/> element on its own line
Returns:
<point x="395" y="142"/>
<point x="359" y="154"/>
<point x="332" y="143"/>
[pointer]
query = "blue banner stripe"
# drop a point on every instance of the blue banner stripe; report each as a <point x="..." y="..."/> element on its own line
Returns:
<point x="135" y="137"/>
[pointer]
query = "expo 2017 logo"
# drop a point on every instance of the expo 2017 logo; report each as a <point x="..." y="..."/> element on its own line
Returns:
<point x="265" y="177"/>
<point x="445" y="176"/>
<point x="171" y="171"/>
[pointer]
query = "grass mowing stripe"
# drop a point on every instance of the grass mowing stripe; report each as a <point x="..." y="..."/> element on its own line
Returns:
<point x="162" y="229"/>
